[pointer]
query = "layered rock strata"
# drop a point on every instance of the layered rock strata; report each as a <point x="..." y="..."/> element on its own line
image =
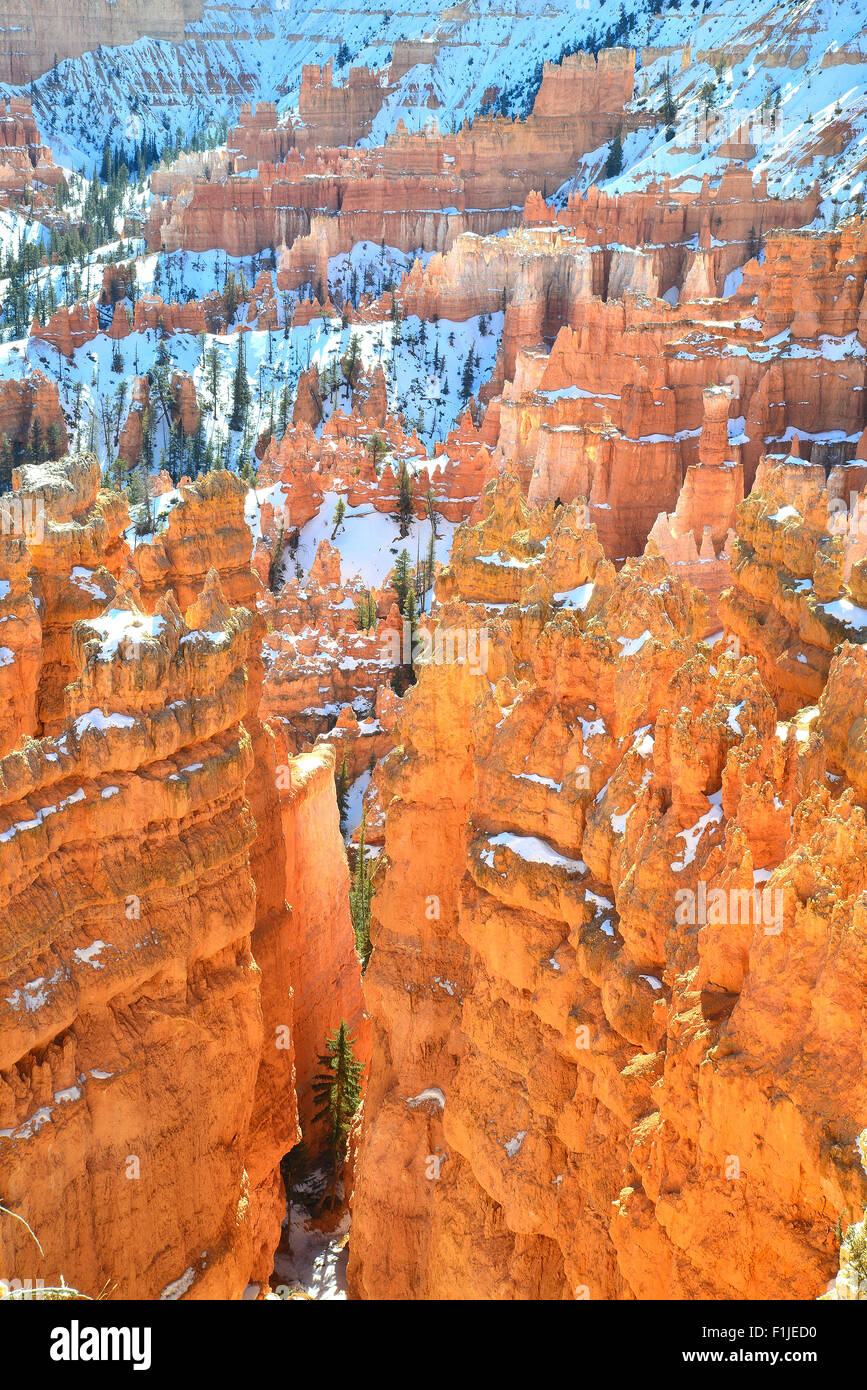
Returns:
<point x="605" y="993"/>
<point x="173" y="887"/>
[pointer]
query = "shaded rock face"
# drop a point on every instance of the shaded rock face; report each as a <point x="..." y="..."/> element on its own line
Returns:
<point x="25" y="406"/>
<point x="38" y="31"/>
<point x="258" y="137"/>
<point x="172" y="887"/>
<point x="337" y="115"/>
<point x="618" y="973"/>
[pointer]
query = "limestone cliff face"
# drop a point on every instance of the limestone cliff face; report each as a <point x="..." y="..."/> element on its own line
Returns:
<point x="169" y="879"/>
<point x="618" y="972"/>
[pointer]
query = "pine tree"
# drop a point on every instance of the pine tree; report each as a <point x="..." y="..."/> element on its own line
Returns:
<point x="146" y="457"/>
<point x="376" y="447"/>
<point x="365" y="613"/>
<point x="467" y="377"/>
<point x="411" y="614"/>
<point x="212" y="378"/>
<point x="276" y="562"/>
<point x="352" y="360"/>
<point x="285" y="406"/>
<point x="197" y="450"/>
<point x="669" y="108"/>
<point x="360" y="895"/>
<point x="430" y="565"/>
<point x="339" y="514"/>
<point x="337" y="1092"/>
<point x="396" y="329"/>
<point x="230" y="296"/>
<point x="401" y="578"/>
<point x="240" y="389"/>
<point x="5" y="464"/>
<point x="614" y="162"/>
<point x="405" y="512"/>
<point x="342" y="781"/>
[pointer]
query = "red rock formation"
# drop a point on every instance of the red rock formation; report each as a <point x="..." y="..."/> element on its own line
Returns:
<point x="369" y="397"/>
<point x="417" y="188"/>
<point x="336" y="115"/>
<point x="669" y="217"/>
<point x="259" y="137"/>
<point x="153" y="843"/>
<point x="185" y="410"/>
<point x="24" y="160"/>
<point x="307" y="409"/>
<point x="320" y="664"/>
<point x="576" y="1037"/>
<point x="130" y="436"/>
<point x="68" y="329"/>
<point x="21" y="649"/>
<point x="696" y="539"/>
<point x="798" y="573"/>
<point x="33" y="402"/>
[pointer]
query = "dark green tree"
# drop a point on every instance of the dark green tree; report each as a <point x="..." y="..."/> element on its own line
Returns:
<point x="404" y="513"/>
<point x="337" y="1092"/>
<point x="467" y="376"/>
<point x="342" y="781"/>
<point x="411" y="614"/>
<point x="360" y="896"/>
<point x="376" y="447"/>
<point x="365" y="613"/>
<point x="5" y="464"/>
<point x="276" y="561"/>
<point x="669" y="109"/>
<point x="401" y="578"/>
<point x="240" y="388"/>
<point x="614" y="162"/>
<point x="430" y="564"/>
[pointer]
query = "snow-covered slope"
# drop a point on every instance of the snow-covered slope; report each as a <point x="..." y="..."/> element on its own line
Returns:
<point x="242" y="51"/>
<point x="792" y="75"/>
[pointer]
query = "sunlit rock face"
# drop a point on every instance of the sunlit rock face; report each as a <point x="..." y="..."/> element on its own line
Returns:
<point x="169" y="879"/>
<point x="421" y="188"/>
<point x="618" y="935"/>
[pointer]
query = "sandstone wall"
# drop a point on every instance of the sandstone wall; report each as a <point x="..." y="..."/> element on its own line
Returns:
<point x="593" y="1094"/>
<point x="151" y="859"/>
